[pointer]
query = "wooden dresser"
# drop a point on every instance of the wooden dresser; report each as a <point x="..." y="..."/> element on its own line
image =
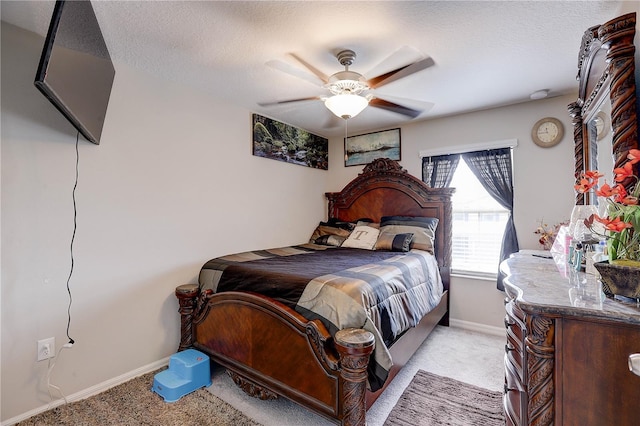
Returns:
<point x="567" y="349"/>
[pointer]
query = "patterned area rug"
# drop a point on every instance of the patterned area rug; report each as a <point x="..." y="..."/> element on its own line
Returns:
<point x="431" y="400"/>
<point x="133" y="403"/>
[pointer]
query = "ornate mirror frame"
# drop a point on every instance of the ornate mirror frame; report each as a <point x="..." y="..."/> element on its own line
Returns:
<point x="606" y="67"/>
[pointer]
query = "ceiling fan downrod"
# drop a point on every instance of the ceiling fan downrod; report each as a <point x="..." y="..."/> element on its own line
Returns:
<point x="346" y="82"/>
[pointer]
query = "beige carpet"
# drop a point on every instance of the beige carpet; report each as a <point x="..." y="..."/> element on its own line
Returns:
<point x="449" y="351"/>
<point x="133" y="403"/>
<point x="432" y="400"/>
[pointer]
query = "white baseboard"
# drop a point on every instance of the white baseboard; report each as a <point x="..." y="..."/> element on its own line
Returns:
<point x="474" y="326"/>
<point x="93" y="390"/>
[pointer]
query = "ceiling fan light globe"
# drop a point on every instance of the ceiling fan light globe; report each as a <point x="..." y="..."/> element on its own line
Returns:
<point x="346" y="105"/>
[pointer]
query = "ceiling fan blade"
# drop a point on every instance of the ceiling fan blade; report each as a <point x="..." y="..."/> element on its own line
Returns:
<point x="322" y="76"/>
<point x="393" y="107"/>
<point x="403" y="56"/>
<point x="296" y="72"/>
<point x="401" y="72"/>
<point x="288" y="101"/>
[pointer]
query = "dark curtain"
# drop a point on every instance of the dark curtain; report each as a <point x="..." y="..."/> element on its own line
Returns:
<point x="437" y="171"/>
<point x="493" y="170"/>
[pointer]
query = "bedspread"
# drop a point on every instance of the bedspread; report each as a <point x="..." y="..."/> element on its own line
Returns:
<point x="383" y="292"/>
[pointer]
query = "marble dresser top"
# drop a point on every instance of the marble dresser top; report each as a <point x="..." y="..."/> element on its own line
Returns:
<point x="548" y="286"/>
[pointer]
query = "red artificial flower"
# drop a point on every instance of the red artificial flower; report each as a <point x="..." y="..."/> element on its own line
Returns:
<point x="587" y="181"/>
<point x="623" y="172"/>
<point x="606" y="191"/>
<point x="584" y="186"/>
<point x="629" y="201"/>
<point x="633" y="156"/>
<point x="621" y="193"/>
<point x="615" y="225"/>
<point x="624" y="199"/>
<point x="593" y="174"/>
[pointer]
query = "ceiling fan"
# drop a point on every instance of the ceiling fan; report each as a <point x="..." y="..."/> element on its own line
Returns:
<point x="349" y="91"/>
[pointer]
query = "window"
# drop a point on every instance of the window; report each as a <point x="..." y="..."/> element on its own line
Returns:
<point x="478" y="226"/>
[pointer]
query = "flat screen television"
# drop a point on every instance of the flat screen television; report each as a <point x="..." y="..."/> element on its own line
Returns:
<point x="75" y="71"/>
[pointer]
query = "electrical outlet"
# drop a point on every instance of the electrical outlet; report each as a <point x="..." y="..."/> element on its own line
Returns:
<point x="46" y="348"/>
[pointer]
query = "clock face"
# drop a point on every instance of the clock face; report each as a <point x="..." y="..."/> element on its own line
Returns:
<point x="547" y="132"/>
<point x="601" y="125"/>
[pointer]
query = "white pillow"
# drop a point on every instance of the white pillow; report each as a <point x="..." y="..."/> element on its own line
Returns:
<point x="362" y="237"/>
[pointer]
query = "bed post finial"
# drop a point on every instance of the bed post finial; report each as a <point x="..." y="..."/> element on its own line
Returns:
<point x="187" y="295"/>
<point x="383" y="165"/>
<point x="354" y="346"/>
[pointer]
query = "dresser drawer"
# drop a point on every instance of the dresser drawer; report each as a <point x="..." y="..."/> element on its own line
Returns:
<point x="513" y="374"/>
<point x="515" y="334"/>
<point x="515" y="337"/>
<point x="515" y="314"/>
<point x="516" y="364"/>
<point x="512" y="401"/>
<point x="515" y="397"/>
<point x="596" y="380"/>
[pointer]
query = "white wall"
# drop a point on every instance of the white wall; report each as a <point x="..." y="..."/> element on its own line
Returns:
<point x="172" y="184"/>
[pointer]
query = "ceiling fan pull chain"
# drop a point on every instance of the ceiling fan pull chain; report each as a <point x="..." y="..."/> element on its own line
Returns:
<point x="346" y="126"/>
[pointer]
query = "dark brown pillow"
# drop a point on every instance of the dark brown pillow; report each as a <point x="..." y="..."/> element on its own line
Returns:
<point x="329" y="235"/>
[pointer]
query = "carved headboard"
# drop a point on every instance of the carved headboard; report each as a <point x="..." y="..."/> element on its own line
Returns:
<point x="384" y="188"/>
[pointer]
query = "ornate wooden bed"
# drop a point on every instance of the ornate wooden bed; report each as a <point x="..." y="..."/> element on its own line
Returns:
<point x="271" y="350"/>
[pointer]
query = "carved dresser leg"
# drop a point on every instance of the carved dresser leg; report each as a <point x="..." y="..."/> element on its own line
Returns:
<point x="354" y="346"/>
<point x="540" y="364"/>
<point x="187" y="295"/>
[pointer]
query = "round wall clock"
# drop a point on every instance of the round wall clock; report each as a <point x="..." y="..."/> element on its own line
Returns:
<point x="547" y="132"/>
<point x="602" y="125"/>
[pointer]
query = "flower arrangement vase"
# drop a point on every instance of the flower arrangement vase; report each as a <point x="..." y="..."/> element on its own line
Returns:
<point x="621" y="279"/>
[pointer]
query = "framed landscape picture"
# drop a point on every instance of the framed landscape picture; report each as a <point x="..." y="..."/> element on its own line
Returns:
<point x="279" y="141"/>
<point x="363" y="149"/>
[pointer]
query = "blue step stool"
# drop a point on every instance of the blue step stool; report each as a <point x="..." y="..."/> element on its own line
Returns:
<point x="188" y="370"/>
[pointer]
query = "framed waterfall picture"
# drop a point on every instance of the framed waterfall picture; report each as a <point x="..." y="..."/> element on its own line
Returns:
<point x="363" y="149"/>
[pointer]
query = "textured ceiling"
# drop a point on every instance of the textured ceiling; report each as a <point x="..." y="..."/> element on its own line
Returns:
<point x="486" y="53"/>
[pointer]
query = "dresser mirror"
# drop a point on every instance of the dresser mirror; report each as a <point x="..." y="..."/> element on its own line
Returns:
<point x="605" y="123"/>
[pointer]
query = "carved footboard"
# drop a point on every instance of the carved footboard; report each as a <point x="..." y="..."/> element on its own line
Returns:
<point x="270" y="350"/>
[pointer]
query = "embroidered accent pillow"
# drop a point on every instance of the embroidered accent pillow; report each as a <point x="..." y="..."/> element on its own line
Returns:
<point x="362" y="237"/>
